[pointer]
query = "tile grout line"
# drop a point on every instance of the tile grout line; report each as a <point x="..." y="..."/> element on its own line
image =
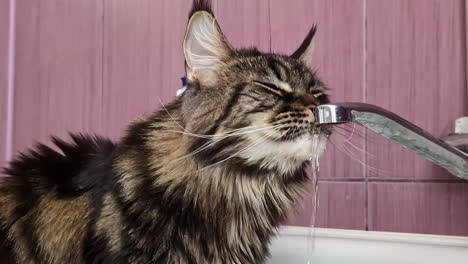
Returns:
<point x="364" y="94"/>
<point x="10" y="80"/>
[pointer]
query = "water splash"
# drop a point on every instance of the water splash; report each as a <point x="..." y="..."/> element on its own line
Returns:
<point x="315" y="168"/>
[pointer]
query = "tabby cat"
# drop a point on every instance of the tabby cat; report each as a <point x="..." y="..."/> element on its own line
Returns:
<point x="207" y="179"/>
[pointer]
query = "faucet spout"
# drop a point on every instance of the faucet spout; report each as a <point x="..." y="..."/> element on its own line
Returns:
<point x="398" y="130"/>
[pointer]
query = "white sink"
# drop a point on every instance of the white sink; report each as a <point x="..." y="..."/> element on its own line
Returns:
<point x="334" y="246"/>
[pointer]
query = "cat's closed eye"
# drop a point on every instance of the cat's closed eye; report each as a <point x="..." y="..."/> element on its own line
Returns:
<point x="275" y="89"/>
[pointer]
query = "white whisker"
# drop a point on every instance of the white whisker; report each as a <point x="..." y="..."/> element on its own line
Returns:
<point x="260" y="140"/>
<point x="177" y="123"/>
<point x="208" y="144"/>
<point x="348" y="141"/>
<point x="227" y="134"/>
<point x="349" y="153"/>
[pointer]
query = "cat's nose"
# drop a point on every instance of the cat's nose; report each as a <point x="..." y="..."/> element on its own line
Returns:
<point x="312" y="107"/>
<point x="308" y="101"/>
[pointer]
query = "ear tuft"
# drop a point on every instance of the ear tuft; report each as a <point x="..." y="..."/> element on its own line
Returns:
<point x="305" y="51"/>
<point x="201" y="5"/>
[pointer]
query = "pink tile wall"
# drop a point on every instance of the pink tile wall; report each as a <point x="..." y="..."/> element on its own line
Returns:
<point x="142" y="60"/>
<point x="341" y="205"/>
<point x="58" y="69"/>
<point x="95" y="65"/>
<point x="4" y="39"/>
<point x="245" y="23"/>
<point x="436" y="208"/>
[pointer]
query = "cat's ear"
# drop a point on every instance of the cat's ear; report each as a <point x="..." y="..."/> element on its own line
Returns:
<point x="205" y="47"/>
<point x="305" y="51"/>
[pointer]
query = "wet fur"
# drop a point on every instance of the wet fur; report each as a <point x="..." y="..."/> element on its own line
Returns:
<point x="160" y="195"/>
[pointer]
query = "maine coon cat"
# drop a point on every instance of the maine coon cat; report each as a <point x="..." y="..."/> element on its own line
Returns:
<point x="207" y="179"/>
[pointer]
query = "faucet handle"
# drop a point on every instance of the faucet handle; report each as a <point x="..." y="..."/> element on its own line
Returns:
<point x="461" y="125"/>
<point x="459" y="139"/>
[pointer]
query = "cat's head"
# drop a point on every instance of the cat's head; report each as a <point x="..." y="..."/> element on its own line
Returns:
<point x="245" y="105"/>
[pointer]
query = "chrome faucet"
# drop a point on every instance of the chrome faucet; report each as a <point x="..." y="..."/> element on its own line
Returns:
<point x="399" y="130"/>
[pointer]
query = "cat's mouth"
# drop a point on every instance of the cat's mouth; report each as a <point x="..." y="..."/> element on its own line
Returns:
<point x="294" y="146"/>
<point x="294" y="124"/>
<point x="292" y="133"/>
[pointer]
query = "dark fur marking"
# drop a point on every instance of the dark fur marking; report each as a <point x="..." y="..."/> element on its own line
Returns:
<point x="272" y="65"/>
<point x="69" y="172"/>
<point x="95" y="248"/>
<point x="7" y="255"/>
<point x="199" y="142"/>
<point x="278" y="69"/>
<point x="250" y="96"/>
<point x="248" y="52"/>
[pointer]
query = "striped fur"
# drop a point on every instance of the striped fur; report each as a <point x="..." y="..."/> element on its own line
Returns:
<point x="207" y="179"/>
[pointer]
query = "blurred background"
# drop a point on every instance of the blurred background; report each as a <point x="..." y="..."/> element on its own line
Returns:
<point x="94" y="65"/>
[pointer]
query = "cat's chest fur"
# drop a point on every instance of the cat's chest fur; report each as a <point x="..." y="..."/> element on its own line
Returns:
<point x="180" y="214"/>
